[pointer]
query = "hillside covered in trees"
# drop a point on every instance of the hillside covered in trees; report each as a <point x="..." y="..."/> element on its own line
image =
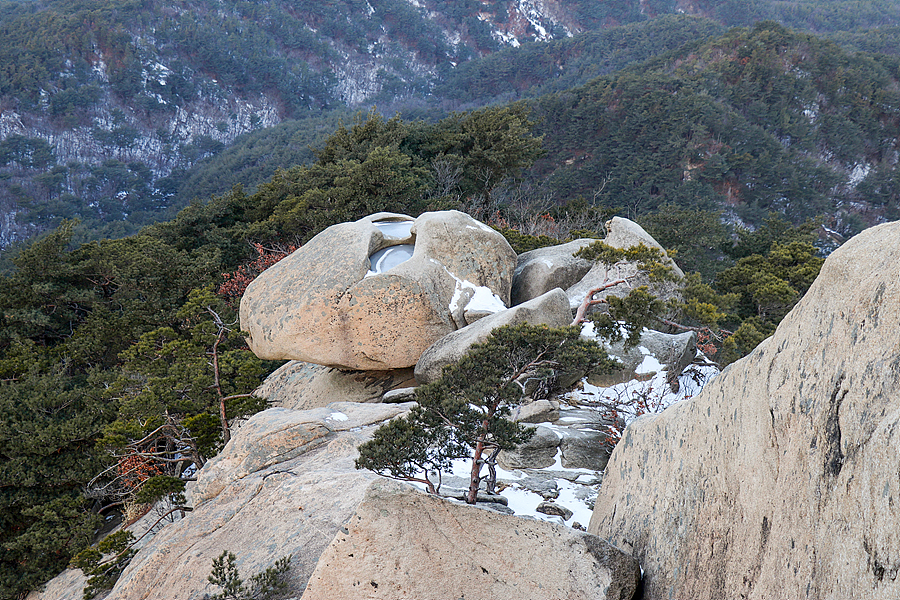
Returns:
<point x="756" y="121"/>
<point x="115" y="114"/>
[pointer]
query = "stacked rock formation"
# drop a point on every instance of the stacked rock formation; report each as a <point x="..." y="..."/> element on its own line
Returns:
<point x="357" y="308"/>
<point x="337" y="302"/>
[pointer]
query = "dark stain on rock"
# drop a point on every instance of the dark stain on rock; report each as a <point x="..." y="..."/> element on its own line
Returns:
<point x="626" y="573"/>
<point x="877" y="567"/>
<point x="834" y="457"/>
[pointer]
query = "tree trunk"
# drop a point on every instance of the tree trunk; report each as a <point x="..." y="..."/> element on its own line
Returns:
<point x="475" y="479"/>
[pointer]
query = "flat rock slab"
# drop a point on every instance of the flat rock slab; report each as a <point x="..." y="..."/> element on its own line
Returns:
<point x="403" y="543"/>
<point x="300" y="386"/>
<point x="780" y="479"/>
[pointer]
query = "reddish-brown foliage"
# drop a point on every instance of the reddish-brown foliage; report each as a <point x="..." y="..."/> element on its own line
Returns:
<point x="237" y="281"/>
<point x="134" y="469"/>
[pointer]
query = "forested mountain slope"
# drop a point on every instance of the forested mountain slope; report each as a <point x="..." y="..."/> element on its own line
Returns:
<point x="104" y="107"/>
<point x="760" y="120"/>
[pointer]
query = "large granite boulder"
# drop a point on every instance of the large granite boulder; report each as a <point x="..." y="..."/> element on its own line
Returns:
<point x="780" y="480"/>
<point x="300" y="386"/>
<point x="543" y="269"/>
<point x="373" y="294"/>
<point x="402" y="543"/>
<point x="539" y="452"/>
<point x="68" y="584"/>
<point x="551" y="309"/>
<point x="623" y="233"/>
<point x="285" y="484"/>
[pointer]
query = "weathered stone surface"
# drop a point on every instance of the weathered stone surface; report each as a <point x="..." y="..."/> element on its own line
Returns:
<point x="538" y="411"/>
<point x="541" y="270"/>
<point x="402" y="543"/>
<point x="622" y="233"/>
<point x="318" y="305"/>
<point x="537" y="453"/>
<point x="584" y="449"/>
<point x="673" y="353"/>
<point x="551" y="309"/>
<point x="301" y="386"/>
<point x="405" y="394"/>
<point x="547" y="488"/>
<point x="285" y="484"/>
<point x="780" y="479"/>
<point x="577" y="436"/>
<point x="67" y="585"/>
<point x="551" y="508"/>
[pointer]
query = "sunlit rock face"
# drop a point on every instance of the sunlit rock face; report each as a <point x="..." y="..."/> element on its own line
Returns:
<point x="374" y="293"/>
<point x="780" y="479"/>
<point x="551" y="309"/>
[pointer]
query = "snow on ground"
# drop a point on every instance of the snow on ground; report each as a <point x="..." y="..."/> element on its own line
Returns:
<point x="578" y="487"/>
<point x="635" y="397"/>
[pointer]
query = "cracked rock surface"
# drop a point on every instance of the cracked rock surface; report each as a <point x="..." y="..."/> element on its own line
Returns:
<point x="780" y="479"/>
<point x="285" y="484"/>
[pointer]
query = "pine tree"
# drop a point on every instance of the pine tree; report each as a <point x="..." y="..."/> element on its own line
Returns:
<point x="465" y="413"/>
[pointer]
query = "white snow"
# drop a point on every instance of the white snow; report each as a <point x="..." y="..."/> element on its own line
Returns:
<point x="649" y="365"/>
<point x="859" y="172"/>
<point x="396" y="230"/>
<point x="338" y="416"/>
<point x="388" y="258"/>
<point x="483" y="299"/>
<point x="578" y="487"/>
<point x="634" y="397"/>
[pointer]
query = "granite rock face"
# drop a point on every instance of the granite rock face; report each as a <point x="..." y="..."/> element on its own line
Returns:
<point x="301" y="386"/>
<point x="285" y="484"/>
<point x="551" y="309"/>
<point x="402" y="543"/>
<point x="655" y="352"/>
<point x="543" y="269"/>
<point x="332" y="302"/>
<point x="780" y="480"/>
<point x="622" y="234"/>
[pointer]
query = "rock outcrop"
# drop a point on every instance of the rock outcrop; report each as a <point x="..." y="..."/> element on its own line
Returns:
<point x="301" y="386"/>
<point x="625" y="233"/>
<point x="543" y="269"/>
<point x="551" y="309"/>
<point x="780" y="480"/>
<point x="402" y="543"/>
<point x="577" y="438"/>
<point x="654" y="353"/>
<point x="337" y="303"/>
<point x="285" y="484"/>
<point x="622" y="234"/>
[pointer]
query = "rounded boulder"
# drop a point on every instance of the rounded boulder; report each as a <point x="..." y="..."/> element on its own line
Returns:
<point x="375" y="293"/>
